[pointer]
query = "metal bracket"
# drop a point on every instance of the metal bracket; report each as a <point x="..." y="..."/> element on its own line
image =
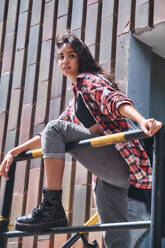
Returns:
<point x="94" y="244"/>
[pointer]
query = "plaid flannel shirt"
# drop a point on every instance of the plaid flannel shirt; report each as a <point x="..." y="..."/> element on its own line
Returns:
<point x="103" y="102"/>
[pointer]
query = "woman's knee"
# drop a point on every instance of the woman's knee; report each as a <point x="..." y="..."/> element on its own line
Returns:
<point x="53" y="126"/>
<point x="52" y="139"/>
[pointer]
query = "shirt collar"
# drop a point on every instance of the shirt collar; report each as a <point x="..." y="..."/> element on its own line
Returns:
<point x="78" y="79"/>
<point x="81" y="75"/>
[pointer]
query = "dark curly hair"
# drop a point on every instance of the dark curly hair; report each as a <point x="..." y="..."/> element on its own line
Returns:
<point x="86" y="61"/>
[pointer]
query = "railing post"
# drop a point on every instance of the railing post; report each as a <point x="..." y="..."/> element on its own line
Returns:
<point x="6" y="205"/>
<point x="156" y="206"/>
<point x="95" y="142"/>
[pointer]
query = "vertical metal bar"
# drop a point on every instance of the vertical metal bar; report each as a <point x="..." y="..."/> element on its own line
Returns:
<point x="72" y="240"/>
<point x="156" y="206"/>
<point x="163" y="197"/>
<point x="86" y="244"/>
<point x="6" y="204"/>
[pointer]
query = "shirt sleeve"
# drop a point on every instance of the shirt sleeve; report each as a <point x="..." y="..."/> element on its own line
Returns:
<point x="69" y="113"/>
<point x="66" y="114"/>
<point x="110" y="101"/>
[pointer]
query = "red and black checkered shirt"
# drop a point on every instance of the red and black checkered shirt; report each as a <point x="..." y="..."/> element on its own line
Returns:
<point x="103" y="102"/>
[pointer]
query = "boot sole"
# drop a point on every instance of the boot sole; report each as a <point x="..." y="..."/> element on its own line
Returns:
<point x="40" y="227"/>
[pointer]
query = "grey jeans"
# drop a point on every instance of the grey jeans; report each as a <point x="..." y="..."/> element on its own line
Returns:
<point x="105" y="162"/>
<point x="113" y="205"/>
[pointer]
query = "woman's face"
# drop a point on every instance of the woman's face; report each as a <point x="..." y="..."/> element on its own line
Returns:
<point x="68" y="61"/>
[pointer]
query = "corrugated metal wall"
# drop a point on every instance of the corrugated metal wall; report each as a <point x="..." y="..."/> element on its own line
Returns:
<point x="33" y="91"/>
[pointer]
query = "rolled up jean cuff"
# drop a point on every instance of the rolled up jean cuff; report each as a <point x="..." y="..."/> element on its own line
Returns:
<point x="54" y="155"/>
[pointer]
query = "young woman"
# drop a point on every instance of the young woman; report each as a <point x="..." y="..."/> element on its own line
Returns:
<point x="99" y="108"/>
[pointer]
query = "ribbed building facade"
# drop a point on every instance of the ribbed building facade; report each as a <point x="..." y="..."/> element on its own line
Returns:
<point x="33" y="91"/>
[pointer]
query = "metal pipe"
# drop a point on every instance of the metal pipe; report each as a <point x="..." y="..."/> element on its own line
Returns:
<point x="75" y="229"/>
<point x="93" y="220"/>
<point x="157" y="191"/>
<point x="94" y="142"/>
<point x="6" y="205"/>
<point x="71" y="240"/>
<point x="107" y="140"/>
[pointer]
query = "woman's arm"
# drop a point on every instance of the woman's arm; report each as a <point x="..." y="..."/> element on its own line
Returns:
<point x="149" y="126"/>
<point x="31" y="144"/>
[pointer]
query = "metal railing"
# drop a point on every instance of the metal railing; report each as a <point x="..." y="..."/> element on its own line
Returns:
<point x="156" y="224"/>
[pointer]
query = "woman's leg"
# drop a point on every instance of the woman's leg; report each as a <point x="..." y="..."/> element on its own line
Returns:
<point x="106" y="163"/>
<point x="137" y="211"/>
<point x="54" y="168"/>
<point x="50" y="212"/>
<point x="110" y="196"/>
<point x="112" y="206"/>
<point x="54" y="137"/>
<point x="56" y="134"/>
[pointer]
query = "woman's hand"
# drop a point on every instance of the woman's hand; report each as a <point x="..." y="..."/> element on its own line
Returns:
<point x="5" y="165"/>
<point x="150" y="126"/>
<point x="34" y="143"/>
<point x="97" y="129"/>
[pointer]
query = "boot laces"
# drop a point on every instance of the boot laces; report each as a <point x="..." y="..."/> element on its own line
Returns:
<point x="45" y="203"/>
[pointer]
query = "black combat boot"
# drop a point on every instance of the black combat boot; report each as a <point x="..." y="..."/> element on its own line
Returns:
<point x="49" y="214"/>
